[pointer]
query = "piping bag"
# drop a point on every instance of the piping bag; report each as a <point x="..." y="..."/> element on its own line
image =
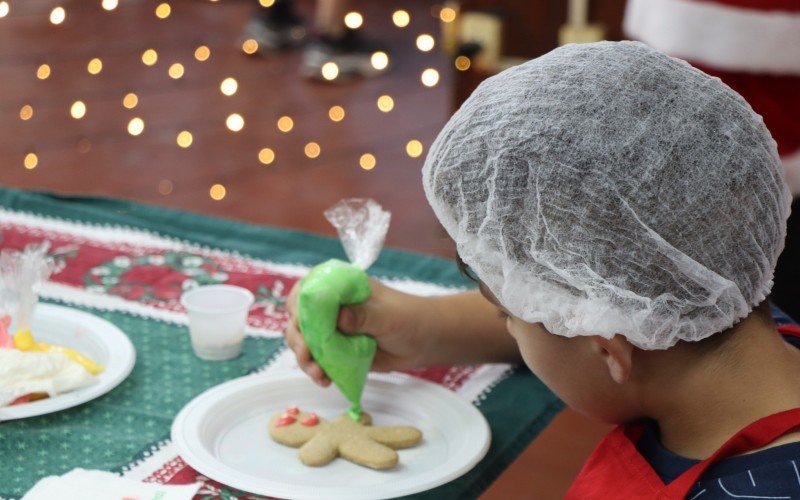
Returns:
<point x="21" y="276"/>
<point x="346" y="359"/>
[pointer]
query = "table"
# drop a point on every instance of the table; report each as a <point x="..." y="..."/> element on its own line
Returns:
<point x="128" y="263"/>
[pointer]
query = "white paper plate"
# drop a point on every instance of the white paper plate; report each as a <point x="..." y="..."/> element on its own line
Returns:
<point x="222" y="433"/>
<point x="103" y="342"/>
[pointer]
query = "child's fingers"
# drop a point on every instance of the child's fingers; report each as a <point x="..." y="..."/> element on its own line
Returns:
<point x="305" y="361"/>
<point x="291" y="300"/>
<point x="355" y="319"/>
<point x="307" y="364"/>
<point x="294" y="340"/>
<point x="314" y="371"/>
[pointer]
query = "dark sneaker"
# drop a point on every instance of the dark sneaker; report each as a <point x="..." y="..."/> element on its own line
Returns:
<point x="351" y="53"/>
<point x="273" y="33"/>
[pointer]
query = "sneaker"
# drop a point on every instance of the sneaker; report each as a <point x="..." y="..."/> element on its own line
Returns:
<point x="274" y="33"/>
<point x="351" y="53"/>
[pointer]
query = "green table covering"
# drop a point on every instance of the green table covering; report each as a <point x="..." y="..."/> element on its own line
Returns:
<point x="128" y="263"/>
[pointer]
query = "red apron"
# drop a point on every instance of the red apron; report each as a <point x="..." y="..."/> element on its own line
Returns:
<point x="616" y="469"/>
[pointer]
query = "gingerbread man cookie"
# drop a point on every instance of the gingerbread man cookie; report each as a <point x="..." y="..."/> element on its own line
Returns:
<point x="320" y="440"/>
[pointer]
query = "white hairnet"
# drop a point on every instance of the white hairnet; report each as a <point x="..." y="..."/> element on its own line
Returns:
<point x="608" y="188"/>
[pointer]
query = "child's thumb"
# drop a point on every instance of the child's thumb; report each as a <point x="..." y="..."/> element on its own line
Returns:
<point x="353" y="319"/>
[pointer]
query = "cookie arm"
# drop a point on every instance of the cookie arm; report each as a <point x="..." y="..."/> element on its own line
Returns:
<point x="395" y="437"/>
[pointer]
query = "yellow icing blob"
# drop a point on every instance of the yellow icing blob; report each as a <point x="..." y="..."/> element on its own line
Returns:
<point x="24" y="341"/>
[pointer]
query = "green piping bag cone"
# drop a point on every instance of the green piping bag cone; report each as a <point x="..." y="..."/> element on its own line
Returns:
<point x="346" y="359"/>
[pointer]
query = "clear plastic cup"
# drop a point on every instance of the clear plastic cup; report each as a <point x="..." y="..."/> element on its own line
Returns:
<point x="217" y="318"/>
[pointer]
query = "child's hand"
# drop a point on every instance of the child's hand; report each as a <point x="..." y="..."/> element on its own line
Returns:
<point x="392" y="317"/>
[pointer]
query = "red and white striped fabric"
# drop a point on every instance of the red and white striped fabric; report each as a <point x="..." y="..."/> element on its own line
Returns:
<point x="752" y="45"/>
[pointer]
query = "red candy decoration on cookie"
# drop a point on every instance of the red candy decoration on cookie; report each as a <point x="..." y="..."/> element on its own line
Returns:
<point x="311" y="420"/>
<point x="292" y="410"/>
<point x="285" y="419"/>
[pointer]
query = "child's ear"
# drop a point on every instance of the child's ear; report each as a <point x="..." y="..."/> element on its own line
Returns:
<point x="618" y="355"/>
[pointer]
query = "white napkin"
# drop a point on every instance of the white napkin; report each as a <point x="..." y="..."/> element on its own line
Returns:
<point x="80" y="484"/>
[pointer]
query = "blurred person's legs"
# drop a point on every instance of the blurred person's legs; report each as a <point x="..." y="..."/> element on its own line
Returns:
<point x="329" y="17"/>
<point x="279" y="26"/>
<point x="336" y="43"/>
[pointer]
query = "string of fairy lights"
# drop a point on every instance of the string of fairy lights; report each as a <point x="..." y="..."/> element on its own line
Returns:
<point x="235" y="122"/>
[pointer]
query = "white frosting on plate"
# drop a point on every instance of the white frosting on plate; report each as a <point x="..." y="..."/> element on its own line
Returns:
<point x="24" y="373"/>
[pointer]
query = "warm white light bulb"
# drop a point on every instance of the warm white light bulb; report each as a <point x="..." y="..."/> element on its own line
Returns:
<point x="26" y="112"/>
<point x="401" y="18"/>
<point x="425" y="42"/>
<point x="234" y="122"/>
<point x="367" y="161"/>
<point x="58" y="15"/>
<point x="95" y="66"/>
<point x="163" y="10"/>
<point x="353" y="20"/>
<point x="175" y="71"/>
<point x="202" y="53"/>
<point x="30" y="161"/>
<point x="217" y="192"/>
<point x="414" y="148"/>
<point x="312" y="150"/>
<point x="385" y="103"/>
<point x="43" y="72"/>
<point x="130" y="100"/>
<point x="229" y="86"/>
<point x="447" y="14"/>
<point x="379" y="60"/>
<point x="250" y="46"/>
<point x="330" y="71"/>
<point x="336" y="113"/>
<point x="149" y="57"/>
<point x="430" y="77"/>
<point x="184" y="139"/>
<point x="136" y="126"/>
<point x="266" y="156"/>
<point x="78" y="110"/>
<point x="285" y="123"/>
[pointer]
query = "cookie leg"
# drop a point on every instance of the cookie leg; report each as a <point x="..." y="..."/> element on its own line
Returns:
<point x="369" y="453"/>
<point x="319" y="451"/>
<point x="395" y="437"/>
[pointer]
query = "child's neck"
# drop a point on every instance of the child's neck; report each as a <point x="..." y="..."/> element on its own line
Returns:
<point x="701" y="401"/>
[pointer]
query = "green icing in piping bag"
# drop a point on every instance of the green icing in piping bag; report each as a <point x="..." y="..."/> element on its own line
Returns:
<point x="346" y="359"/>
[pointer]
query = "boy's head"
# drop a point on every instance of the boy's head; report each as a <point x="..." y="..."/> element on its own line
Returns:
<point x="608" y="189"/>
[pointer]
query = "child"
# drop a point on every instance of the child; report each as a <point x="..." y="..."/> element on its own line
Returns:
<point x="624" y="212"/>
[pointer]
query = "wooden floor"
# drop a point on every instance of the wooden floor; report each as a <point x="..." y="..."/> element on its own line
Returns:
<point x="97" y="155"/>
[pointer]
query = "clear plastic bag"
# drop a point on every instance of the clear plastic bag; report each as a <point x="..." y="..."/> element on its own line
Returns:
<point x="22" y="274"/>
<point x="362" y="225"/>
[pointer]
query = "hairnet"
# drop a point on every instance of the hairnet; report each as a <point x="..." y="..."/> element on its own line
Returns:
<point x="608" y="188"/>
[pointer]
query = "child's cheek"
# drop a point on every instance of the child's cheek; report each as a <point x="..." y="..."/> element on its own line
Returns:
<point x="529" y="345"/>
<point x="546" y="354"/>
